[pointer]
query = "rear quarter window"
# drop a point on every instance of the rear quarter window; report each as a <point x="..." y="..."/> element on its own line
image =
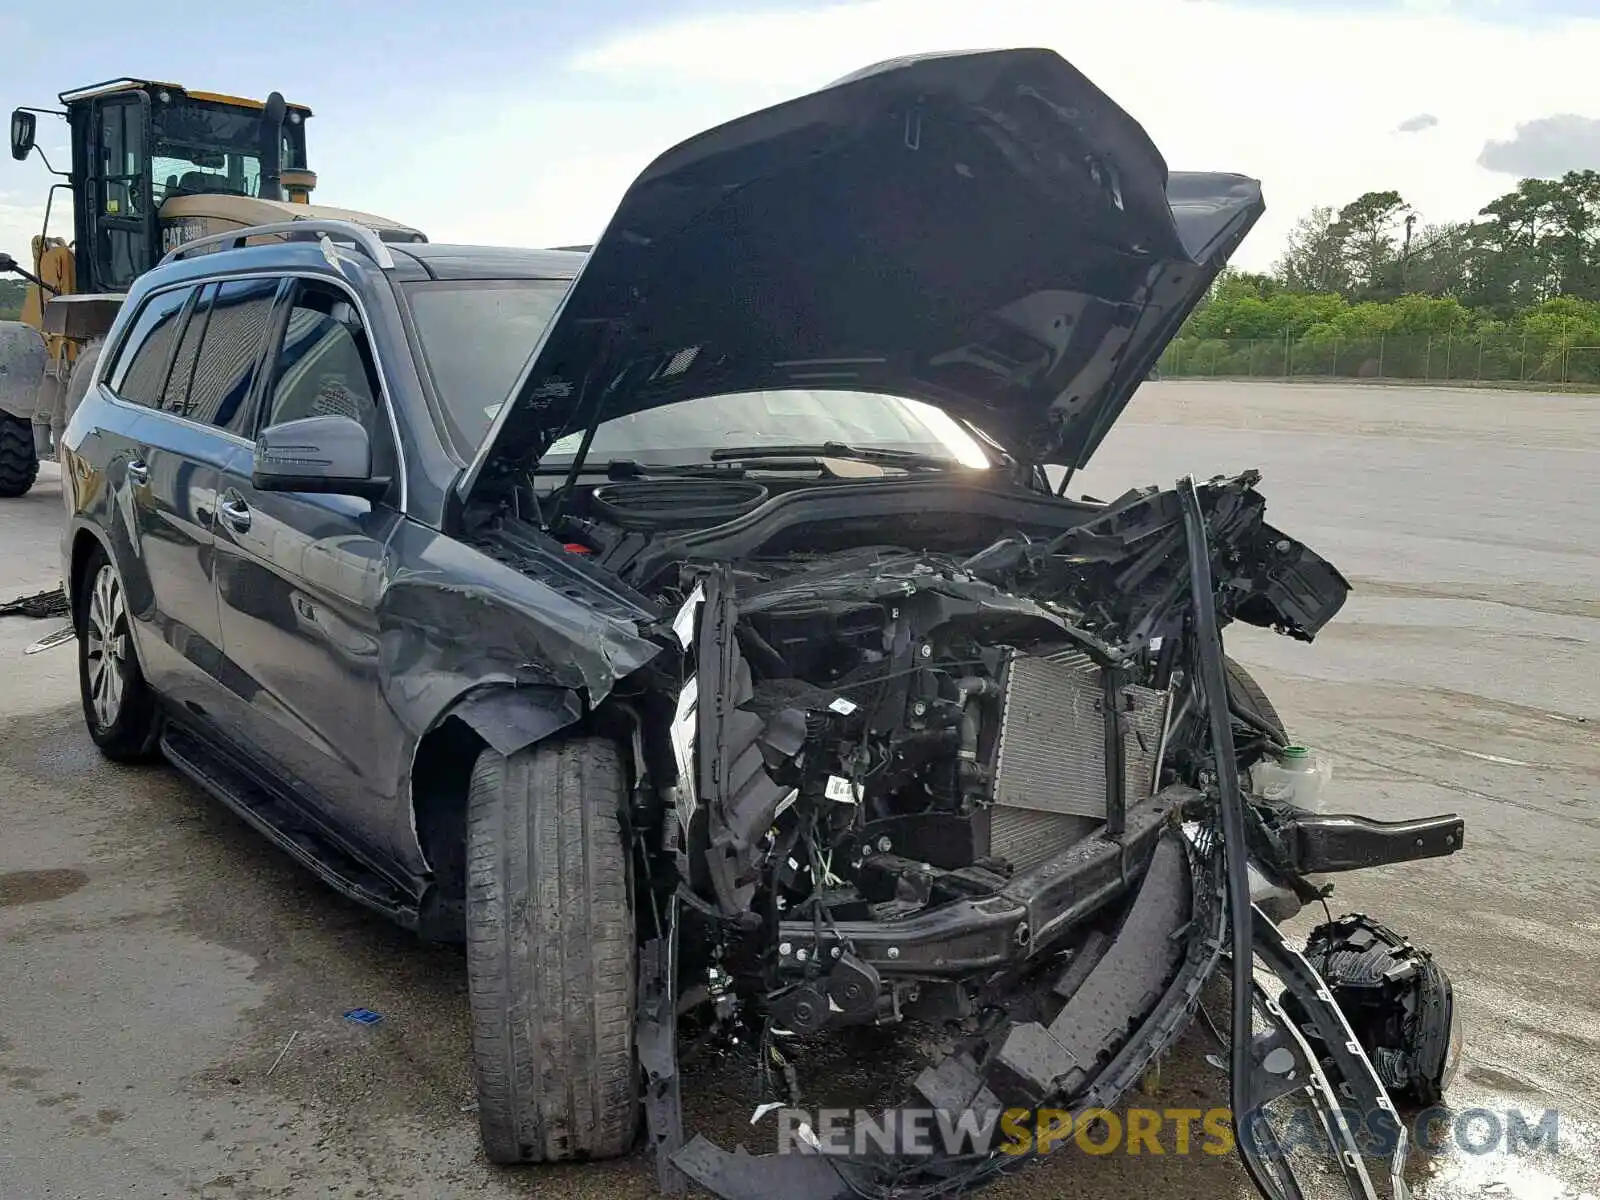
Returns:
<point x="139" y="374"/>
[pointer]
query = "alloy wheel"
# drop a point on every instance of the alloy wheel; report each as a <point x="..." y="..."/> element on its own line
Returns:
<point x="106" y="646"/>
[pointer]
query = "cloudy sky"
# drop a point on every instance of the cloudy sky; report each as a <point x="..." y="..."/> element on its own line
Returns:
<point x="524" y="122"/>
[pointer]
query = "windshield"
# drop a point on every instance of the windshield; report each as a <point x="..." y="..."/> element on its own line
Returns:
<point x="474" y="336"/>
<point x="691" y="429"/>
<point x="201" y="148"/>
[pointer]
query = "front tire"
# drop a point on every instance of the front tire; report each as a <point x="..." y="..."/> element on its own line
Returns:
<point x="550" y="953"/>
<point x="1254" y="697"/>
<point x="19" y="460"/>
<point x="118" y="706"/>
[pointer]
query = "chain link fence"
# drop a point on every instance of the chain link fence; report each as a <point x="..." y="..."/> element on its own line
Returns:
<point x="1491" y="358"/>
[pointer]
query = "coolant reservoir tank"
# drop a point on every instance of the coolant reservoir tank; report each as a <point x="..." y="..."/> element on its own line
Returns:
<point x="1295" y="775"/>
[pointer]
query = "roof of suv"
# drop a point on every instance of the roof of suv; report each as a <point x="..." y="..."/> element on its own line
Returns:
<point x="435" y="261"/>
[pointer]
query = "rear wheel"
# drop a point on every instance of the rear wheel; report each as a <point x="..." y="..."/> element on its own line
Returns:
<point x="550" y="953"/>
<point x="19" y="462"/>
<point x="118" y="706"/>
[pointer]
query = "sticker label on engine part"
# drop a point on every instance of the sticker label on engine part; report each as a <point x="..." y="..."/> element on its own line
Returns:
<point x="841" y="790"/>
<point x="843" y="707"/>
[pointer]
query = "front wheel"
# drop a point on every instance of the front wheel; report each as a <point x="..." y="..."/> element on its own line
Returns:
<point x="550" y="953"/>
<point x="118" y="706"/>
<point x="1254" y="697"/>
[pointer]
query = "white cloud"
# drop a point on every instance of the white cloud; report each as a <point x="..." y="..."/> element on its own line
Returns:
<point x="1307" y="100"/>
<point x="1546" y="148"/>
<point x="20" y="221"/>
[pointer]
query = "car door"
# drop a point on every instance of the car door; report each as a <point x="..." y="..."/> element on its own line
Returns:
<point x="299" y="576"/>
<point x="166" y="491"/>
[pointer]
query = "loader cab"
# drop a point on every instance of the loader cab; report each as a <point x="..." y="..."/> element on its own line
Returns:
<point x="137" y="144"/>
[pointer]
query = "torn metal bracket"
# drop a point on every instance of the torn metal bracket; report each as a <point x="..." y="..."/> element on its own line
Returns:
<point x="1322" y="843"/>
<point x="1211" y="671"/>
<point x="656" y="1037"/>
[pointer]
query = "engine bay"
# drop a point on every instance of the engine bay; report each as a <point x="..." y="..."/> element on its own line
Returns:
<point x="872" y="751"/>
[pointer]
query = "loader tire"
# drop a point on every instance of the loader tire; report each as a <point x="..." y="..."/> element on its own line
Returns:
<point x="19" y="462"/>
<point x="550" y="954"/>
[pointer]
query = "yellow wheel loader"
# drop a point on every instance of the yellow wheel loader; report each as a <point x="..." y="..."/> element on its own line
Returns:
<point x="153" y="166"/>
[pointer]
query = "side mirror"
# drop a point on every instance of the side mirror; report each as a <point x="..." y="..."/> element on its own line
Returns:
<point x="329" y="455"/>
<point x="23" y="127"/>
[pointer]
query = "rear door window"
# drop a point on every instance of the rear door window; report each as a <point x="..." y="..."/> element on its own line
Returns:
<point x="175" y="395"/>
<point x="233" y="339"/>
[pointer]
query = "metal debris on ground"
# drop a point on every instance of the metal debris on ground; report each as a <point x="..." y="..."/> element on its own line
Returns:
<point x="50" y="641"/>
<point x="282" y="1052"/>
<point x="38" y="606"/>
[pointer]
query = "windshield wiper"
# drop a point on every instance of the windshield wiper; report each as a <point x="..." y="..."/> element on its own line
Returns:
<point x="731" y="462"/>
<point x="632" y="468"/>
<point x="880" y="455"/>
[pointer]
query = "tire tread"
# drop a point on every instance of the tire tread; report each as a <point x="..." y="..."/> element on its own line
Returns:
<point x="550" y="951"/>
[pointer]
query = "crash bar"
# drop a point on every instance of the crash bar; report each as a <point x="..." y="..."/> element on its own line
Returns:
<point x="365" y="239"/>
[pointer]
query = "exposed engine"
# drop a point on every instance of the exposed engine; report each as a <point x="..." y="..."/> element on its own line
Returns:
<point x="891" y="755"/>
<point x="879" y="749"/>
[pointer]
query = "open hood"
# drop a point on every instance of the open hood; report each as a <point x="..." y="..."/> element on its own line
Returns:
<point x="984" y="231"/>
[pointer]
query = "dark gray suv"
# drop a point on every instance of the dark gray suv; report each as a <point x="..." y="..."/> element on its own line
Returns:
<point x="691" y="627"/>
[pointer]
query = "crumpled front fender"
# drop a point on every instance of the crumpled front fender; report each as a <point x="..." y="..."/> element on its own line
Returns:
<point x="517" y="644"/>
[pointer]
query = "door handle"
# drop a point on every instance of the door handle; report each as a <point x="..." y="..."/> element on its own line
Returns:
<point x="138" y="470"/>
<point x="235" y="512"/>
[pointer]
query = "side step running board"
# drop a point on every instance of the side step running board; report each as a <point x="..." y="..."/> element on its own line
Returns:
<point x="285" y="828"/>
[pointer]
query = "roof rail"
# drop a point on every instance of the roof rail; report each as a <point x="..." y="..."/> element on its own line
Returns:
<point x="366" y="240"/>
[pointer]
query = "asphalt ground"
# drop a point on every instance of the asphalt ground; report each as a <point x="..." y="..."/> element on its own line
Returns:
<point x="172" y="988"/>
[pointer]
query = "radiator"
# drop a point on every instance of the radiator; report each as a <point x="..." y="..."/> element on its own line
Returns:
<point x="1048" y="784"/>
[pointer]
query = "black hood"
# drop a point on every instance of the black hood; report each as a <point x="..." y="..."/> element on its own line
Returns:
<point x="985" y="231"/>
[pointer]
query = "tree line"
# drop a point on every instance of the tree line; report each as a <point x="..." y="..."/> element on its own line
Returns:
<point x="1368" y="290"/>
<point x="11" y="299"/>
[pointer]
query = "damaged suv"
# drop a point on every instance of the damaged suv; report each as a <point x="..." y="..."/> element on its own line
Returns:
<point x="720" y="652"/>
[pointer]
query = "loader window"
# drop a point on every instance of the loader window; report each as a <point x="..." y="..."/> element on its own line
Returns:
<point x="121" y="158"/>
<point x="202" y="148"/>
<point x="117" y="195"/>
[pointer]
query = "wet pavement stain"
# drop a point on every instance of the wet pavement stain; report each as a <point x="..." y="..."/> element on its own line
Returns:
<point x="37" y="887"/>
